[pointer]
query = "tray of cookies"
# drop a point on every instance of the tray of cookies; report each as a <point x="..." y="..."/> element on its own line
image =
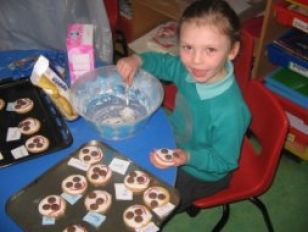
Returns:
<point x="95" y="188"/>
<point x="30" y="124"/>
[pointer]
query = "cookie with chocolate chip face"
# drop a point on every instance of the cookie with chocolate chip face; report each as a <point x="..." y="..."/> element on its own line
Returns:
<point x="23" y="105"/>
<point x="90" y="154"/>
<point x="29" y="126"/>
<point x="37" y="144"/>
<point x="137" y="216"/>
<point x="98" y="201"/>
<point x="74" y="184"/>
<point x="165" y="157"/>
<point x="137" y="181"/>
<point x="156" y="196"/>
<point x="52" y="206"/>
<point x="99" y="174"/>
<point x="2" y="104"/>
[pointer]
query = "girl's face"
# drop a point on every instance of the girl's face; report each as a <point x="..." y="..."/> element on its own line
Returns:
<point x="204" y="51"/>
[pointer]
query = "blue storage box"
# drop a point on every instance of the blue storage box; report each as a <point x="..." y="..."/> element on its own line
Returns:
<point x="290" y="51"/>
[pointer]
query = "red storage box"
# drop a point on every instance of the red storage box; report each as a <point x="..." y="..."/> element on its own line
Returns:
<point x="297" y="141"/>
<point x="291" y="15"/>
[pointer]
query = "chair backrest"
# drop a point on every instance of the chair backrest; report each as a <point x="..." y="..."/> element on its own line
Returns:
<point x="244" y="61"/>
<point x="258" y="163"/>
<point x="269" y="125"/>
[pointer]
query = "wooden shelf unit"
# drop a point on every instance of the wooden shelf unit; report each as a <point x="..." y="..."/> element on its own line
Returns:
<point x="270" y="30"/>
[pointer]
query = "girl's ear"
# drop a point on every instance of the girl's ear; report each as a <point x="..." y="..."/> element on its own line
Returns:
<point x="234" y="51"/>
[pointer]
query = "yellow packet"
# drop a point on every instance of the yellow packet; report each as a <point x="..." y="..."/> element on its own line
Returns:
<point x="44" y="77"/>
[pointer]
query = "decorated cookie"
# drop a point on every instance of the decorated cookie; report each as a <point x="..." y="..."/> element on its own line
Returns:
<point x="156" y="196"/>
<point x="164" y="157"/>
<point x="99" y="174"/>
<point x="2" y="103"/>
<point x="137" y="181"/>
<point x="52" y="206"/>
<point x="75" y="228"/>
<point x="98" y="201"/>
<point x="74" y="184"/>
<point x="91" y="154"/>
<point x="23" y="105"/>
<point x="37" y="144"/>
<point x="137" y="216"/>
<point x="29" y="126"/>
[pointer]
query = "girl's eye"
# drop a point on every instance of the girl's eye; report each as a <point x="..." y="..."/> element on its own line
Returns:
<point x="186" y="47"/>
<point x="210" y="50"/>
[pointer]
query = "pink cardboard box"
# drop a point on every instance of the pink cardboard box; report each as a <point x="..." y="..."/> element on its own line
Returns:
<point x="80" y="49"/>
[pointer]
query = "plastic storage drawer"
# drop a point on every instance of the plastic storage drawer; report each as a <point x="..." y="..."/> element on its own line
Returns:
<point x="280" y="57"/>
<point x="291" y="15"/>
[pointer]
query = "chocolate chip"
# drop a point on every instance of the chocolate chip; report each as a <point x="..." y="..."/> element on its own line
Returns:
<point x="94" y="153"/>
<point x="133" y="174"/>
<point x="55" y="207"/>
<point x="87" y="158"/>
<point x="21" y="102"/>
<point x="168" y="157"/>
<point x="46" y="207"/>
<point x="103" y="172"/>
<point x="94" y="176"/>
<point x="161" y="196"/>
<point x="154" y="204"/>
<point x="94" y="206"/>
<point x="129" y="215"/>
<point x="130" y="180"/>
<point x="175" y="154"/>
<point x="140" y="179"/>
<point x="76" y="179"/>
<point x="39" y="145"/>
<point x="69" y="184"/>
<point x="165" y="151"/>
<point x="138" y="211"/>
<point x="51" y="200"/>
<point x="85" y="150"/>
<point x="77" y="185"/>
<point x="152" y="195"/>
<point x="31" y="145"/>
<point x="138" y="219"/>
<point x="100" y="201"/>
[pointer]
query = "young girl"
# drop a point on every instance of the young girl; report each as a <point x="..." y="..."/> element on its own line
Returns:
<point x="210" y="116"/>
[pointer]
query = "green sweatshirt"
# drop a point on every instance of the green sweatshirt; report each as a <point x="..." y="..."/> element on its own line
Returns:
<point x="209" y="120"/>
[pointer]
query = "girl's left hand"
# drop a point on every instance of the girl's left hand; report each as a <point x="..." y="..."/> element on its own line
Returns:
<point x="181" y="157"/>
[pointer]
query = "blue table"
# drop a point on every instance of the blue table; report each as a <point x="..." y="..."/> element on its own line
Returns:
<point x="156" y="134"/>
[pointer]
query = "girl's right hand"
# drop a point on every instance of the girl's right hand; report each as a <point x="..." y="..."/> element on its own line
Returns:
<point x="127" y="67"/>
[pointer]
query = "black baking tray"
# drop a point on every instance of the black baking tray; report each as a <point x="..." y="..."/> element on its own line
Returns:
<point x="29" y="197"/>
<point x="53" y="125"/>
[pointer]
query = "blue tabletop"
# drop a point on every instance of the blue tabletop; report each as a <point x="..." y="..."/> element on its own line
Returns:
<point x="156" y="134"/>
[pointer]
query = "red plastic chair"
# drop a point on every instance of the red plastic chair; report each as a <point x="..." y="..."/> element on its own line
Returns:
<point x="242" y="67"/>
<point x="257" y="168"/>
